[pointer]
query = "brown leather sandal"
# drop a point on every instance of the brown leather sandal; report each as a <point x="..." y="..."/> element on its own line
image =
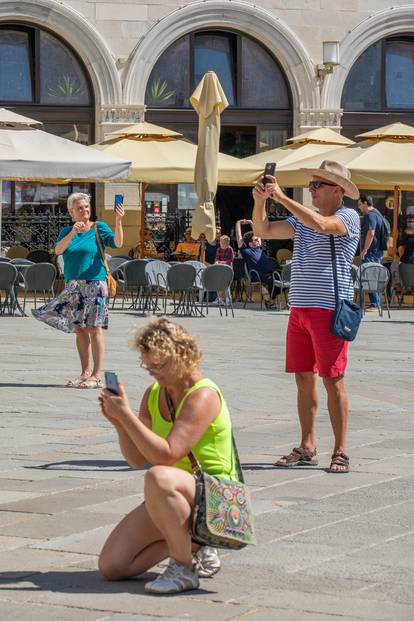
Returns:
<point x="298" y="457"/>
<point x="339" y="459"/>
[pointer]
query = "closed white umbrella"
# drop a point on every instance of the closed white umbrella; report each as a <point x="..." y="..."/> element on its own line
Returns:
<point x="209" y="101"/>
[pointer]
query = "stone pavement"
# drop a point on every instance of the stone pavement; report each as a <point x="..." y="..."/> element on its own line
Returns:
<point x="329" y="546"/>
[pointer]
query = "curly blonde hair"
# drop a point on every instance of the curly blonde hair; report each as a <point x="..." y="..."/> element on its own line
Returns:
<point x="161" y="338"/>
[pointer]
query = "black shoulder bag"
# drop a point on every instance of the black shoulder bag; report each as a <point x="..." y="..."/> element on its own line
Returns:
<point x="222" y="516"/>
<point x="348" y="315"/>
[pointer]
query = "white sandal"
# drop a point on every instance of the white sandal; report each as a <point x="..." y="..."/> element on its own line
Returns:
<point x="91" y="382"/>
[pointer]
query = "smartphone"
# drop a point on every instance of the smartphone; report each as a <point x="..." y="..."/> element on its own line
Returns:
<point x="119" y="200"/>
<point x="270" y="169"/>
<point x="111" y="381"/>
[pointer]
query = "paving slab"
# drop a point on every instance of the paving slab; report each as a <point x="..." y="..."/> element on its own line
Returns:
<point x="329" y="546"/>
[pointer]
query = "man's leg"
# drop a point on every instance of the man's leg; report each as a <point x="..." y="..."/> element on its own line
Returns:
<point x="338" y="413"/>
<point x="307" y="400"/>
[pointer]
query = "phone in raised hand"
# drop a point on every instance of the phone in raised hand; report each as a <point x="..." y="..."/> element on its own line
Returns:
<point x="118" y="200"/>
<point x="111" y="381"/>
<point x="270" y="169"/>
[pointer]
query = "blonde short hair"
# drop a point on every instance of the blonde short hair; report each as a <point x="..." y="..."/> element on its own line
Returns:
<point x="161" y="339"/>
<point x="77" y="196"/>
<point x="225" y="238"/>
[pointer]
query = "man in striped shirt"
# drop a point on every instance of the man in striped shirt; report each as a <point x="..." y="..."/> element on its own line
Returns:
<point x="311" y="348"/>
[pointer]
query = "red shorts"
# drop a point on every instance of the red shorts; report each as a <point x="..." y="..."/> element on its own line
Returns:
<point x="310" y="345"/>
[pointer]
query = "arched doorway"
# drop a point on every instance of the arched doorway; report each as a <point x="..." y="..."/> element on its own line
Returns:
<point x="258" y="118"/>
<point x="44" y="79"/>
<point x="379" y="90"/>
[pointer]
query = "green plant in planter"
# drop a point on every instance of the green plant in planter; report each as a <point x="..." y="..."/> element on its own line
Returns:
<point x="159" y="92"/>
<point x="66" y="87"/>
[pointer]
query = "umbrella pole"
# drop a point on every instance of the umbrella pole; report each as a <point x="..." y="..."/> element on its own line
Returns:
<point x="141" y="233"/>
<point x="397" y="199"/>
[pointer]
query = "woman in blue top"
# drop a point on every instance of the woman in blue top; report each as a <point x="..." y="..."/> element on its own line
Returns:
<point x="82" y="306"/>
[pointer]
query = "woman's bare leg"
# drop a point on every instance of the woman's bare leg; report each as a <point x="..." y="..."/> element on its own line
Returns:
<point x="134" y="546"/>
<point x="169" y="496"/>
<point x="98" y="350"/>
<point x="83" y="344"/>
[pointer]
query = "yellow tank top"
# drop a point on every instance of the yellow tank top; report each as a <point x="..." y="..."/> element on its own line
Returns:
<point x="214" y="450"/>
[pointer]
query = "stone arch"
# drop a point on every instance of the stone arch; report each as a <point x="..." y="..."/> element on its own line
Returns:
<point x="73" y="28"/>
<point x="380" y="25"/>
<point x="261" y="25"/>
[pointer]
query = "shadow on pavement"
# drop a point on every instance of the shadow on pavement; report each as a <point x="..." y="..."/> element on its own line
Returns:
<point x="80" y="582"/>
<point x="271" y="466"/>
<point x="85" y="464"/>
<point x="20" y="385"/>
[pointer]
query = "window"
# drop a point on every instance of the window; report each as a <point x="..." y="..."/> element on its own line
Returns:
<point x="245" y="70"/>
<point x="62" y="81"/>
<point x="168" y="86"/>
<point x="382" y="78"/>
<point x="15" y="66"/>
<point x="399" y="74"/>
<point x="216" y="52"/>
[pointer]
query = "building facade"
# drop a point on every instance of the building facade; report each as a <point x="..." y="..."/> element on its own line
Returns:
<point x="86" y="68"/>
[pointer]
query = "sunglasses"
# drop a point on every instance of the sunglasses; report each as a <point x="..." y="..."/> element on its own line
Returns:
<point x="153" y="367"/>
<point x="315" y="185"/>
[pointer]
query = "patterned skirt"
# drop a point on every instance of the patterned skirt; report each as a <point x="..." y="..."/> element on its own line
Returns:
<point x="81" y="304"/>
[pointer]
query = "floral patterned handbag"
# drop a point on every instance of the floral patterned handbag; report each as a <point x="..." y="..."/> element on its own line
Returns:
<point x="222" y="516"/>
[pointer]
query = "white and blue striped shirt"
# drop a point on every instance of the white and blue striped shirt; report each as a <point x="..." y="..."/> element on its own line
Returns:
<point x="311" y="283"/>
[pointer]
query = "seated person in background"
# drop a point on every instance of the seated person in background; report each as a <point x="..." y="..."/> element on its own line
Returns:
<point x="150" y="251"/>
<point x="224" y="255"/>
<point x="211" y="249"/>
<point x="406" y="250"/>
<point x="256" y="259"/>
<point x="189" y="247"/>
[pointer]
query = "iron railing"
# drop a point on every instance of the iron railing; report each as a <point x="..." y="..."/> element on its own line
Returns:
<point x="32" y="231"/>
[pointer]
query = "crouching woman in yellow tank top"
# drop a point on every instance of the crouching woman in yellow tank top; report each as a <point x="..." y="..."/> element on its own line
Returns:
<point x="159" y="528"/>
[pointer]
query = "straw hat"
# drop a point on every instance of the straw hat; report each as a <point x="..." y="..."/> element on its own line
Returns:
<point x="336" y="173"/>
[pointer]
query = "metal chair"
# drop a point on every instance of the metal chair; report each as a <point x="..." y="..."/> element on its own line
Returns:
<point x="180" y="280"/>
<point x="199" y="267"/>
<point x="281" y="280"/>
<point x="373" y="278"/>
<point x="217" y="278"/>
<point x="406" y="273"/>
<point x="38" y="256"/>
<point x="8" y="277"/>
<point x="114" y="264"/>
<point x="135" y="282"/>
<point x="239" y="279"/>
<point x="38" y="277"/>
<point x="156" y="272"/>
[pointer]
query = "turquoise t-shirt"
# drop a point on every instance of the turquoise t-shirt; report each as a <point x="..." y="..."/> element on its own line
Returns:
<point x="82" y="258"/>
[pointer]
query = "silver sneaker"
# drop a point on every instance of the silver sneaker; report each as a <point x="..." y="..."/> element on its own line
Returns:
<point x="207" y="561"/>
<point x="175" y="579"/>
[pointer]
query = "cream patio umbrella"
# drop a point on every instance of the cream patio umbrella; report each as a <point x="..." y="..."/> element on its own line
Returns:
<point x="160" y="155"/>
<point x="209" y="101"/>
<point x="384" y="160"/>
<point x="314" y="142"/>
<point x="28" y="153"/>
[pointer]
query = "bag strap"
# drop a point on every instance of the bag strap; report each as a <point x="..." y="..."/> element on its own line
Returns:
<point x="335" y="274"/>
<point x="195" y="464"/>
<point x="98" y="239"/>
